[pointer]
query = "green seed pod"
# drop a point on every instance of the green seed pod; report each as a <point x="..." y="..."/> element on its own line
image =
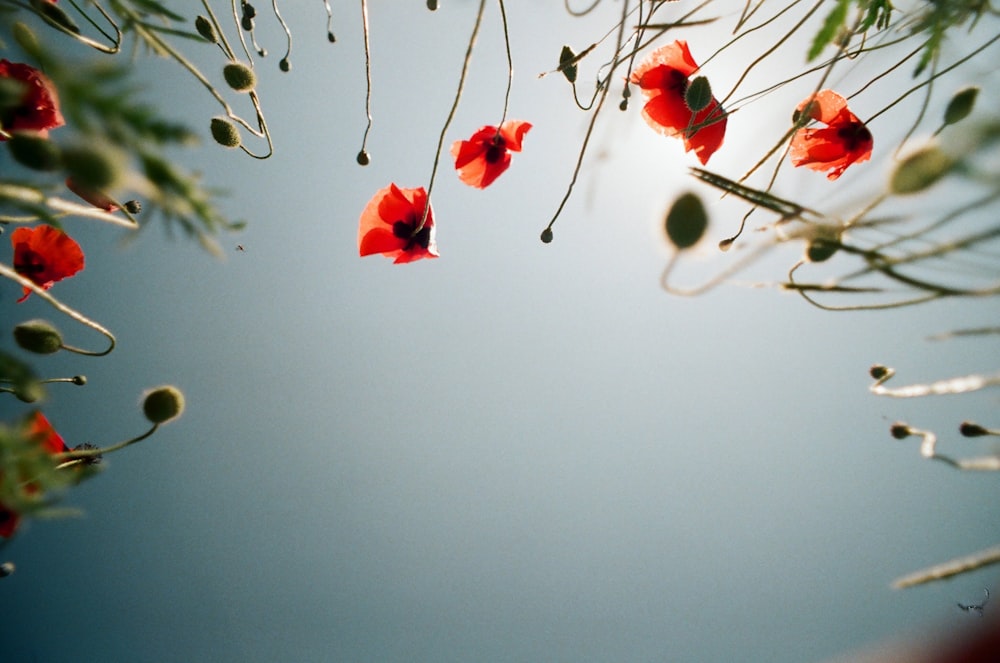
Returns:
<point x="206" y="29"/>
<point x="567" y="64"/>
<point x="93" y="165"/>
<point x="27" y="40"/>
<point x="820" y="249"/>
<point x="698" y="94"/>
<point x="920" y="170"/>
<point x="969" y="429"/>
<point x="225" y="132"/>
<point x="34" y="151"/>
<point x="363" y="158"/>
<point x="239" y="76"/>
<point x="547" y="236"/>
<point x="38" y="336"/>
<point x="961" y="105"/>
<point x="55" y="15"/>
<point x="686" y="221"/>
<point x="163" y="404"/>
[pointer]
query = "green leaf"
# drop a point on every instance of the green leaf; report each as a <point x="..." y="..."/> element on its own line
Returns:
<point x="834" y="22"/>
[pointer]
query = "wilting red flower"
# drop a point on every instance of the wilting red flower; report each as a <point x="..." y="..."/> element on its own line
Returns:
<point x="389" y="225"/>
<point x="845" y="139"/>
<point x="92" y="196"/>
<point x="51" y="442"/>
<point x="45" y="255"/>
<point x="486" y="155"/>
<point x="38" y="108"/>
<point x="663" y="78"/>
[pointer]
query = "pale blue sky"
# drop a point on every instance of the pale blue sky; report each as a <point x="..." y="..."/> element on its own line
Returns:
<point x="516" y="452"/>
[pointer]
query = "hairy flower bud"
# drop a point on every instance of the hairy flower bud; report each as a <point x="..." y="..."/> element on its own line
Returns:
<point x="239" y="76"/>
<point x="54" y="14"/>
<point x="33" y="150"/>
<point x="698" y="94"/>
<point x="686" y="221"/>
<point x="225" y="132"/>
<point x="38" y="336"/>
<point x="920" y="170"/>
<point x="163" y="404"/>
<point x="961" y="105"/>
<point x="206" y="29"/>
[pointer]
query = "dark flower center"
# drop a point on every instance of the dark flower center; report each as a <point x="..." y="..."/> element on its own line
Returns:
<point x="404" y="230"/>
<point x="854" y="135"/>
<point x="496" y="150"/>
<point x="30" y="263"/>
<point x="678" y="82"/>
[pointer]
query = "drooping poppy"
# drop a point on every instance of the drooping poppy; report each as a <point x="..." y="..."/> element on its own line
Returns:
<point x="45" y="255"/>
<point x="38" y="427"/>
<point x="389" y="225"/>
<point x="486" y="155"/>
<point x="844" y="141"/>
<point x="38" y="107"/>
<point x="663" y="78"/>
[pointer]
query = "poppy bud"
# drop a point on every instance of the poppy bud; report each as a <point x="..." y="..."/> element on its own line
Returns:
<point x="821" y="249"/>
<point x="920" y="170"/>
<point x="27" y="40"/>
<point x="567" y="64"/>
<point x="133" y="206"/>
<point x="899" y="430"/>
<point x="432" y="5"/>
<point x="92" y="166"/>
<point x="239" y="76"/>
<point x="969" y="429"/>
<point x="249" y="11"/>
<point x="206" y="29"/>
<point x="961" y="105"/>
<point x="55" y="14"/>
<point x="29" y="392"/>
<point x="330" y="37"/>
<point x="38" y="336"/>
<point x="163" y="404"/>
<point x="35" y="151"/>
<point x="878" y="371"/>
<point x="225" y="132"/>
<point x="686" y="221"/>
<point x="79" y="380"/>
<point x="547" y="235"/>
<point x="364" y="158"/>
<point x="6" y="569"/>
<point x="698" y="94"/>
<point x="285" y="65"/>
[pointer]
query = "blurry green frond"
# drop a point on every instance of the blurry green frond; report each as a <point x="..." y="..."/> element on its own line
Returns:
<point x="833" y="25"/>
<point x="938" y="17"/>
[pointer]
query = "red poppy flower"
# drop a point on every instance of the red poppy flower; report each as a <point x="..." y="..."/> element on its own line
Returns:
<point x="663" y="78"/>
<point x="389" y="225"/>
<point x="38" y="108"/>
<point x="45" y="255"/>
<point x="9" y="520"/>
<point x="50" y="441"/>
<point x="845" y="139"/>
<point x="486" y="155"/>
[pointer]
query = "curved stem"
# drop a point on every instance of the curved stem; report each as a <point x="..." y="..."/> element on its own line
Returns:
<point x="65" y="458"/>
<point x="62" y="308"/>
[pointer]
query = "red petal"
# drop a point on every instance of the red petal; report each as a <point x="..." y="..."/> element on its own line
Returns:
<point x="675" y="56"/>
<point x="513" y="131"/>
<point x="380" y="240"/>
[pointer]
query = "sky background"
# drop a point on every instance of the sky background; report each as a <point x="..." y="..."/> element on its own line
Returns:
<point x="515" y="452"/>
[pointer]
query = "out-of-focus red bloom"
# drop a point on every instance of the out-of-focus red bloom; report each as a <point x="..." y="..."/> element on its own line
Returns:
<point x="51" y="442"/>
<point x="663" y="78"/>
<point x="9" y="520"/>
<point x="389" y="225"/>
<point x="844" y="141"/>
<point x="49" y="439"/>
<point x="92" y="196"/>
<point x="38" y="109"/>
<point x="45" y="255"/>
<point x="486" y="155"/>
